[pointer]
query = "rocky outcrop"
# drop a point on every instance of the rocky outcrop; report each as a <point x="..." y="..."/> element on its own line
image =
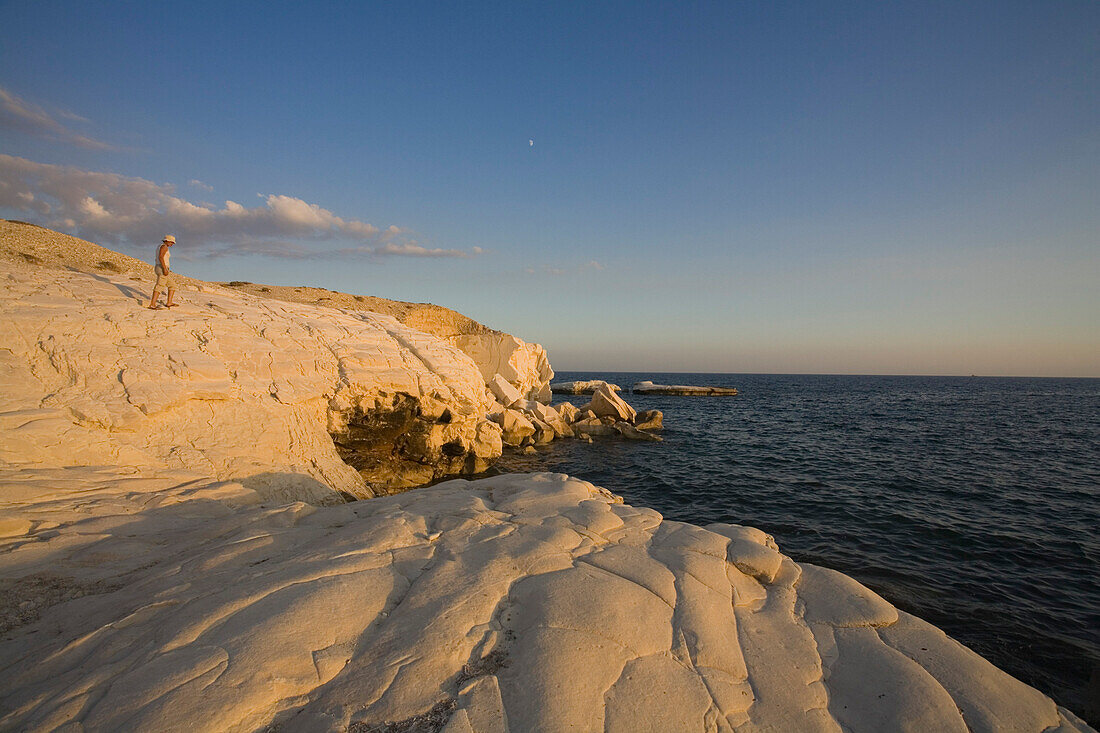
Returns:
<point x="525" y="366"/>
<point x="517" y="603"/>
<point x="649" y="420"/>
<point x="606" y="403"/>
<point x="527" y="423"/>
<point x="316" y="400"/>
<point x="681" y="389"/>
<point x="583" y="387"/>
<point x="166" y="564"/>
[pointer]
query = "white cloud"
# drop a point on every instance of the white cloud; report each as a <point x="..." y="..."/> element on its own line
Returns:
<point x="19" y="114"/>
<point x="119" y="210"/>
<point x="200" y="185"/>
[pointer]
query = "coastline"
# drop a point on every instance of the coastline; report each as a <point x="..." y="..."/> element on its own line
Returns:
<point x="154" y="574"/>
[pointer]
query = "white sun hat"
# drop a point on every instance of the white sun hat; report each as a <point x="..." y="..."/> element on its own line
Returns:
<point x="169" y="238"/>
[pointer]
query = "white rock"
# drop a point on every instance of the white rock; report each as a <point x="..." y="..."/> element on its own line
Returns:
<point x="515" y="603"/>
<point x="525" y="366"/>
<point x="592" y="426"/>
<point x="648" y="387"/>
<point x="567" y="412"/>
<point x="632" y="433"/>
<point x="649" y="420"/>
<point x="505" y="393"/>
<point x="229" y="386"/>
<point x="544" y="432"/>
<point x="515" y="427"/>
<point x="546" y="413"/>
<point x="606" y="403"/>
<point x="583" y="387"/>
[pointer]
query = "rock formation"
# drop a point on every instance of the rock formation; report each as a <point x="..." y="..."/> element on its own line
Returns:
<point x="321" y="399"/>
<point x="167" y="561"/>
<point x="606" y="403"/>
<point x="648" y="387"/>
<point x="649" y="420"/>
<point x="582" y="387"/>
<point x="516" y="603"/>
<point x="525" y="365"/>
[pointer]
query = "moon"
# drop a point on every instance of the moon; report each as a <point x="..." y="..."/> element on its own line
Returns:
<point x="531" y="143"/>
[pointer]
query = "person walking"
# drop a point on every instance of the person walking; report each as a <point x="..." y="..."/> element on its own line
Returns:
<point x="164" y="274"/>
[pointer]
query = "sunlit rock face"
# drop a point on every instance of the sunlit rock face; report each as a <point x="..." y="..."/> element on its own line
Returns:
<point x="524" y="365"/>
<point x="231" y="386"/>
<point x="516" y="603"/>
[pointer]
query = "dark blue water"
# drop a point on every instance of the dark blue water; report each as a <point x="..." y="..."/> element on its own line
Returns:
<point x="973" y="503"/>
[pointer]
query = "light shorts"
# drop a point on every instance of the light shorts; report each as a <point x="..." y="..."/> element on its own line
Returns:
<point x="165" y="279"/>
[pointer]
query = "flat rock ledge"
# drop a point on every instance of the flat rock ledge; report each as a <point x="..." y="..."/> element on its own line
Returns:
<point x="681" y="389"/>
<point x="582" y="387"/>
<point x="516" y="603"/>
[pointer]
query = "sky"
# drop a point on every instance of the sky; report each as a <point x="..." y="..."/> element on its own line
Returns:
<point x="776" y="187"/>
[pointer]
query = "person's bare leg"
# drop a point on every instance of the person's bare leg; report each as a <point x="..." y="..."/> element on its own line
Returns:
<point x="171" y="297"/>
<point x="153" y="300"/>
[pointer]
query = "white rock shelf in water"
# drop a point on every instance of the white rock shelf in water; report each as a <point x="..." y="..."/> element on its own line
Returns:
<point x="648" y="387"/>
<point x="582" y="387"/>
<point x="515" y="603"/>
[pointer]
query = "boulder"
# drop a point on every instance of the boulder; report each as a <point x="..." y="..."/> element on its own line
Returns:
<point x="544" y="432"/>
<point x="487" y="447"/>
<point x="515" y="427"/>
<point x="606" y="403"/>
<point x="546" y="413"/>
<point x="632" y="433"/>
<point x="649" y="420"/>
<point x="550" y="416"/>
<point x="567" y="412"/>
<point x="503" y="390"/>
<point x="592" y="426"/>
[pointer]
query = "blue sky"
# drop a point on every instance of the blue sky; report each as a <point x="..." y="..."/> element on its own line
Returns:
<point x="735" y="187"/>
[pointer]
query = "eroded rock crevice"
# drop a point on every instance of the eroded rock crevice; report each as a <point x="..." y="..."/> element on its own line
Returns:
<point x="399" y="441"/>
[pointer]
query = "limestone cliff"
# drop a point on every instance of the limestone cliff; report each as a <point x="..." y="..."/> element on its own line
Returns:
<point x="524" y="364"/>
<point x="302" y="399"/>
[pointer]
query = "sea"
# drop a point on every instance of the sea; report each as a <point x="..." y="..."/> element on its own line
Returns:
<point x="971" y="502"/>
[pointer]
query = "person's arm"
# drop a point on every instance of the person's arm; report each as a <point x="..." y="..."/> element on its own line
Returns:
<point x="160" y="257"/>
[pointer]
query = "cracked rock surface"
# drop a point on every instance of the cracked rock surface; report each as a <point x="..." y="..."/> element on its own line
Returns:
<point x="232" y="386"/>
<point x="514" y="603"/>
